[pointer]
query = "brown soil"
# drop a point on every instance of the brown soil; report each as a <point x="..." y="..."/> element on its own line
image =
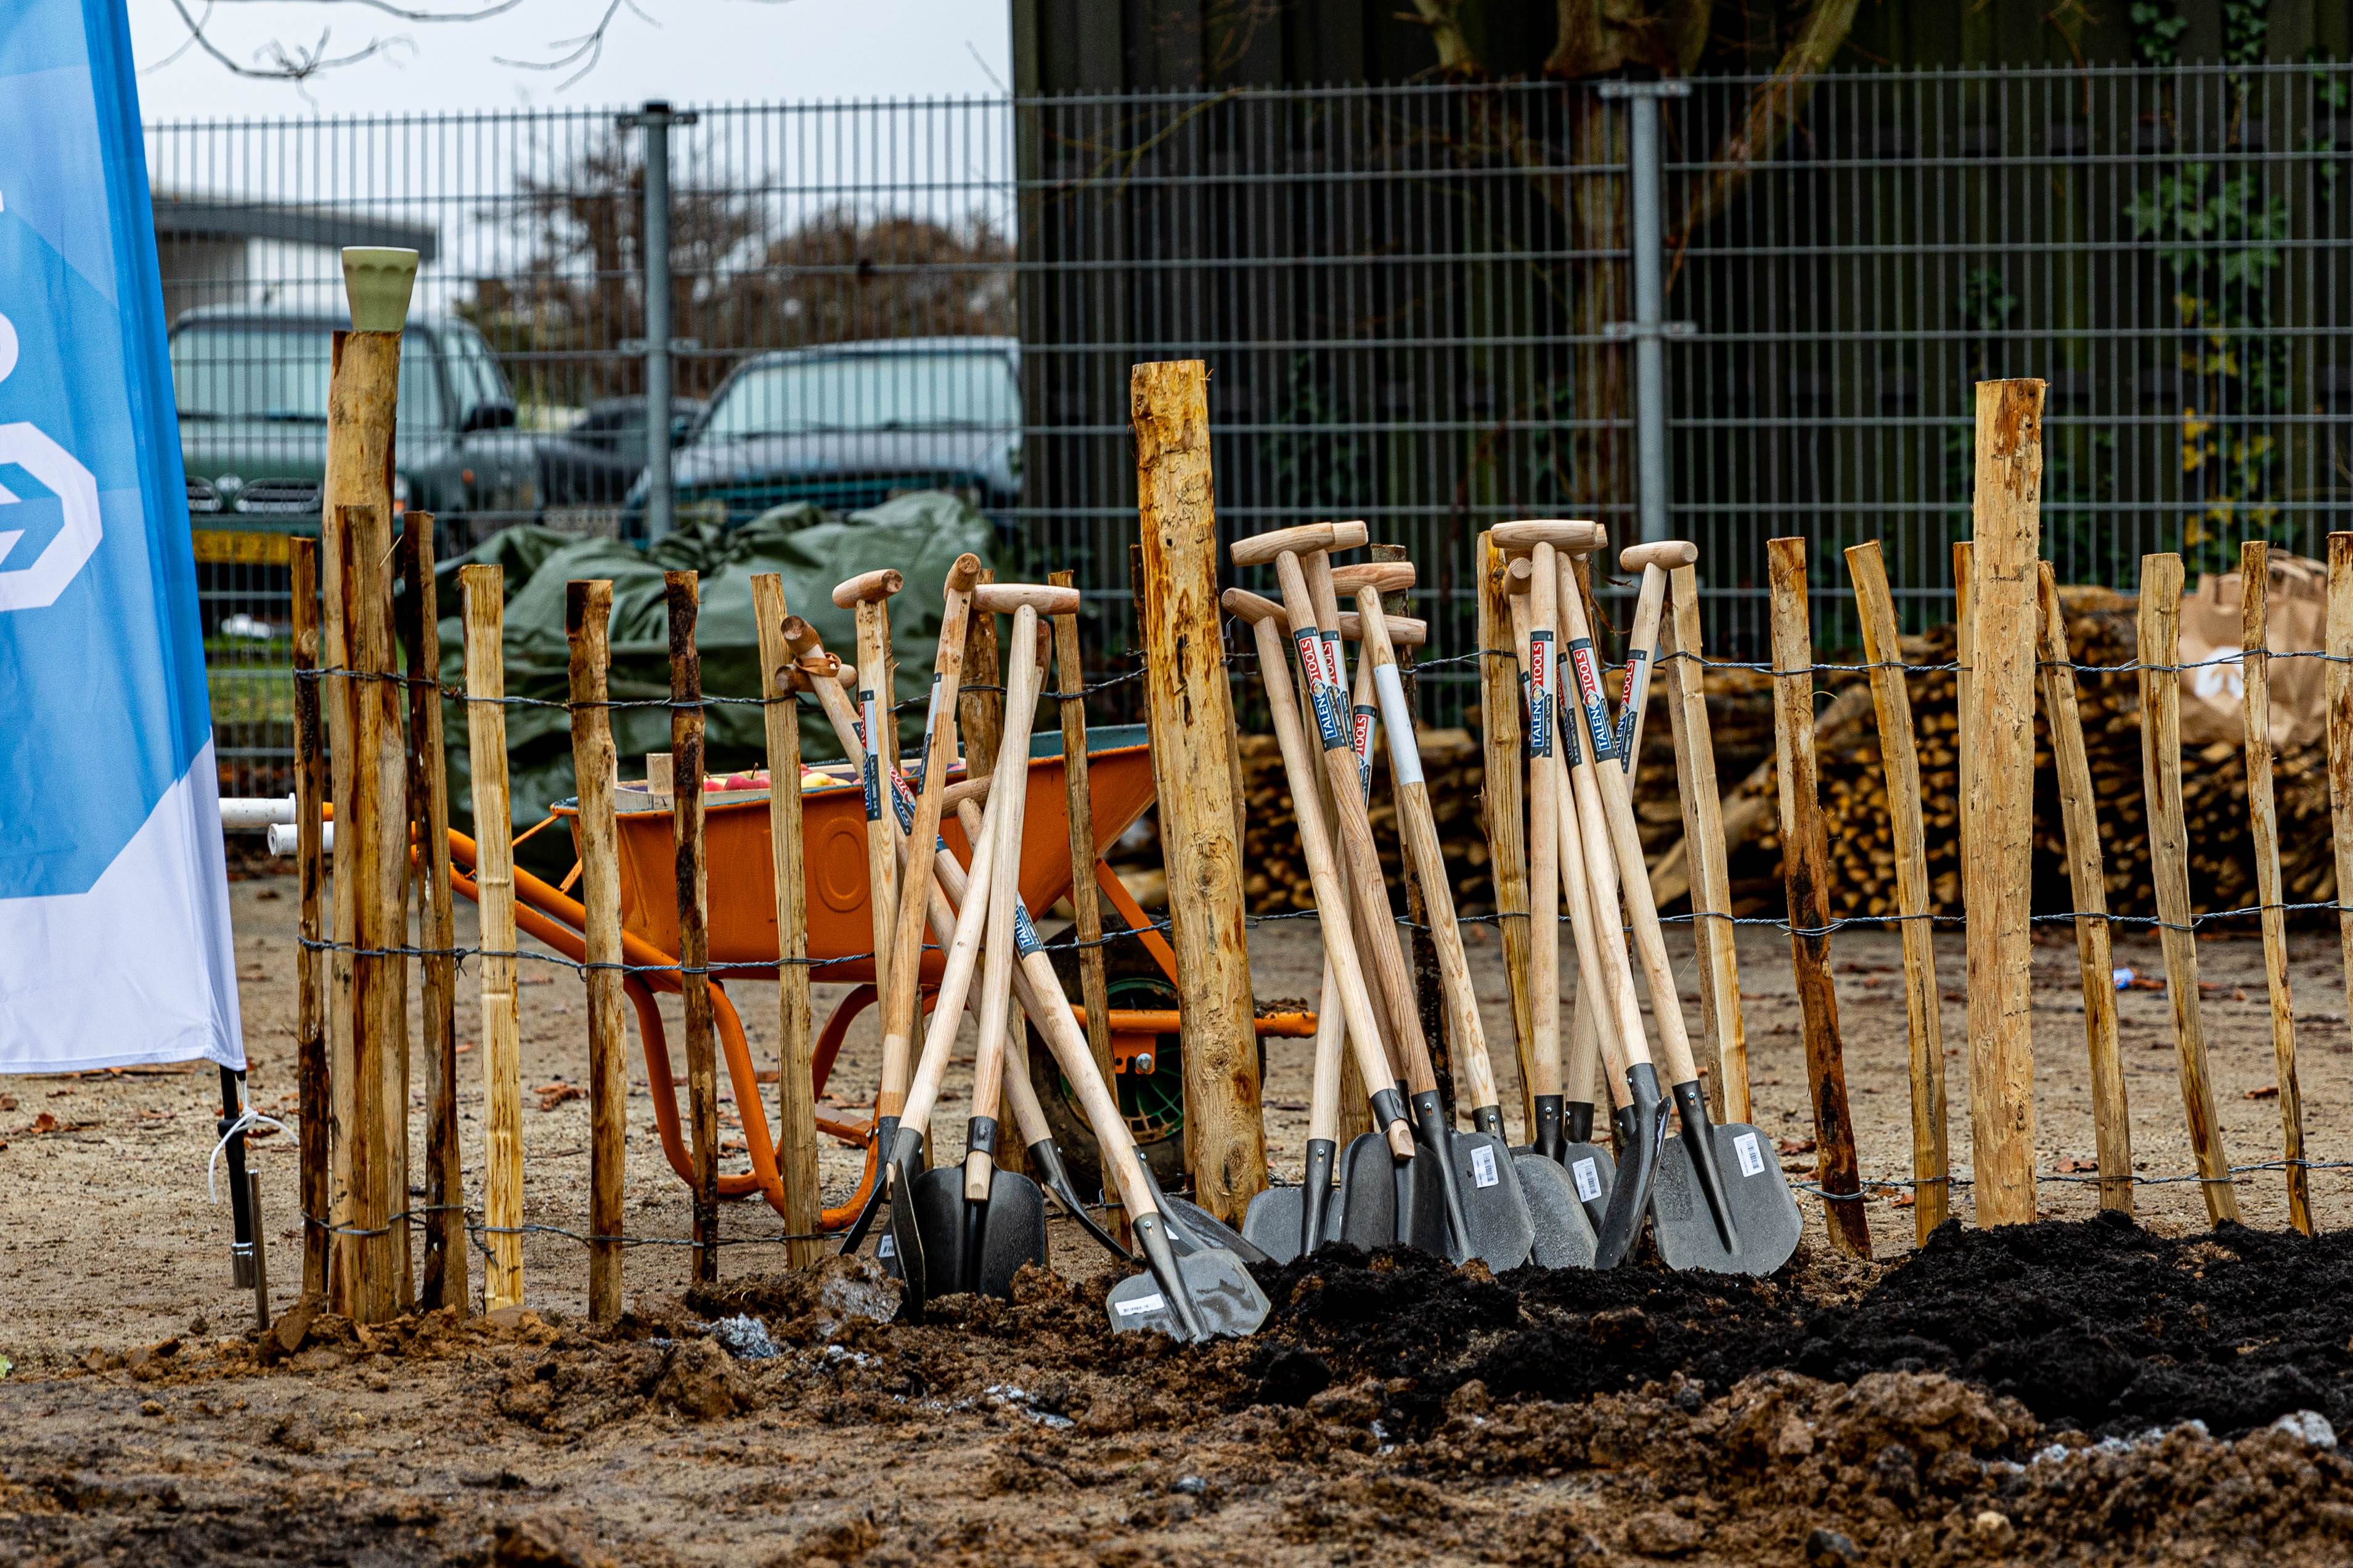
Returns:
<point x="1990" y="1400"/>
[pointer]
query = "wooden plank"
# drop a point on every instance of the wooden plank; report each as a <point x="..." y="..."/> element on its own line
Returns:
<point x="311" y="1087"/>
<point x="2160" y="761"/>
<point x="1998" y="802"/>
<point x="371" y="878"/>
<point x="428" y="790"/>
<point x="482" y="589"/>
<point x="1931" y="1163"/>
<point x="681" y="596"/>
<point x="1086" y="909"/>
<point x="1711" y="882"/>
<point x="1191" y="711"/>
<point x="2340" y="741"/>
<point x="1504" y="805"/>
<point x="795" y="1082"/>
<point x="1805" y="870"/>
<point x="2079" y="809"/>
<point x="2263" y="820"/>
<point x="588" y="617"/>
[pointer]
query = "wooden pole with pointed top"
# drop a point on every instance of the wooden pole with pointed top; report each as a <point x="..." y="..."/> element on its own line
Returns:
<point x="587" y="615"/>
<point x="310" y="1086"/>
<point x="482" y="589"/>
<point x="681" y="596"/>
<point x="2255" y="600"/>
<point x="1505" y="804"/>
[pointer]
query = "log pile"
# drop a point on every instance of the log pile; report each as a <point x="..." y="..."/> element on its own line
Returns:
<point x="1274" y="873"/>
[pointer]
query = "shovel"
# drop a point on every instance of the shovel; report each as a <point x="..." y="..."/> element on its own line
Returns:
<point x="1720" y="1201"/>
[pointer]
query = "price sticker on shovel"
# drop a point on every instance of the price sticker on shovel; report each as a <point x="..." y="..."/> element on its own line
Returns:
<point x="1141" y="1305"/>
<point x="1751" y="1159"/>
<point x="1587" y="1172"/>
<point x="1483" y="1166"/>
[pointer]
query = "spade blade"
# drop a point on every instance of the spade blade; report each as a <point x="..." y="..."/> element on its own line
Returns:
<point x="1494" y="1205"/>
<point x="1592" y="1172"/>
<point x="1767" y="1221"/>
<point x="1012" y="1231"/>
<point x="1563" y="1232"/>
<point x="1226" y="1299"/>
<point x="1272" y="1222"/>
<point x="1363" y="1209"/>
<point x="902" y="1248"/>
<point x="1192" y="1228"/>
<point x="1421" y="1204"/>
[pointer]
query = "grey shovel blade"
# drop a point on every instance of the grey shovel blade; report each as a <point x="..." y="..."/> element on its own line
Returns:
<point x="1362" y="1210"/>
<point x="1226" y="1299"/>
<point x="1766" y="1220"/>
<point x="1272" y="1222"/>
<point x="1495" y="1204"/>
<point x="1563" y="1231"/>
<point x="1592" y="1172"/>
<point x="1012" y="1231"/>
<point x="1192" y="1228"/>
<point x="1421" y="1205"/>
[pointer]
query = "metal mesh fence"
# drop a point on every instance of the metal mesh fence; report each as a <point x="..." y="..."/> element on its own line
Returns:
<point x="1412" y="301"/>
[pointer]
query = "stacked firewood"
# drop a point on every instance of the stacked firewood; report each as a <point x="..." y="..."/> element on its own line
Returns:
<point x="1274" y="870"/>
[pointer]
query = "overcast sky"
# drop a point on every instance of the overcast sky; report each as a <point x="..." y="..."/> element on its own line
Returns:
<point x="692" y="51"/>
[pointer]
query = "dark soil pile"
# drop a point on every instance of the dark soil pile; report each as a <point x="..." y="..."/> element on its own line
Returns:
<point x="2098" y="1325"/>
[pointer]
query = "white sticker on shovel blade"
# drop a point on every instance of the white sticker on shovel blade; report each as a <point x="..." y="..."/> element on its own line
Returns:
<point x="1589" y="1179"/>
<point x="887" y="1249"/>
<point x="1483" y="1166"/>
<point x="1141" y="1305"/>
<point x="1751" y="1159"/>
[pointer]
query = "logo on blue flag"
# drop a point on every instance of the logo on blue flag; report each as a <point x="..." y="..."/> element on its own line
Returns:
<point x="114" y="932"/>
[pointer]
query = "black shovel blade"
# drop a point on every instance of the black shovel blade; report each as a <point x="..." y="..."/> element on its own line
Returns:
<point x="1630" y="1194"/>
<point x="1012" y="1231"/>
<point x="1055" y="1177"/>
<point x="902" y="1247"/>
<point x="1226" y="1300"/>
<point x="1422" y="1204"/>
<point x="1766" y="1223"/>
<point x="1500" y="1230"/>
<point x="1562" y="1234"/>
<point x="1272" y="1222"/>
<point x="1192" y="1228"/>
<point x="1362" y="1211"/>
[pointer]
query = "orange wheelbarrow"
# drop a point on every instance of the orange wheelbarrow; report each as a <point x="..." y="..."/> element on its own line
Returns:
<point x="744" y="944"/>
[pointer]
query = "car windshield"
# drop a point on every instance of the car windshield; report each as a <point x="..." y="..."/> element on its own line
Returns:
<point x="473" y="373"/>
<point x="228" y="371"/>
<point x="951" y="391"/>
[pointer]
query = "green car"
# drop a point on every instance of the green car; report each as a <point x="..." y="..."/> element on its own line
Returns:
<point x="251" y="387"/>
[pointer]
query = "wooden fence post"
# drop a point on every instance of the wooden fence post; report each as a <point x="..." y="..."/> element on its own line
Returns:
<point x="2340" y="741"/>
<point x="429" y="789"/>
<point x="311" y="1087"/>
<point x="1504" y="805"/>
<point x="2168" y="853"/>
<point x="2079" y="806"/>
<point x="2254" y="602"/>
<point x="1804" y="871"/>
<point x="1931" y="1163"/>
<point x="681" y="593"/>
<point x="587" y="615"/>
<point x="483" y="591"/>
<point x="780" y="683"/>
<point x="1998" y="804"/>
<point x="1190" y="708"/>
<point x="1711" y="876"/>
<point x="1086" y="910"/>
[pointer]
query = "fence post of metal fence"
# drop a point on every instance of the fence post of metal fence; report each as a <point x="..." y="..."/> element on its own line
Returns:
<point x="1650" y="325"/>
<point x="655" y="120"/>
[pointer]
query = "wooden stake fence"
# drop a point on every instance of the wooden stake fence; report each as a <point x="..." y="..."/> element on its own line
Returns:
<point x="483" y="591"/>
<point x="1086" y="910"/>
<point x="2160" y="754"/>
<point x="2340" y="741"/>
<point x="680" y="595"/>
<point x="1805" y="869"/>
<point x="1190" y="709"/>
<point x="1922" y="1004"/>
<point x="1710" y="879"/>
<point x="587" y="615"/>
<point x="312" y="1091"/>
<point x="2254" y="595"/>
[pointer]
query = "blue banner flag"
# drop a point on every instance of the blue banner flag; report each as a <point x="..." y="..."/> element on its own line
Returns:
<point x="115" y="945"/>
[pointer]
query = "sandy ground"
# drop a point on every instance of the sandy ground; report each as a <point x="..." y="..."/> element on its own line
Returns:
<point x="109" y="1245"/>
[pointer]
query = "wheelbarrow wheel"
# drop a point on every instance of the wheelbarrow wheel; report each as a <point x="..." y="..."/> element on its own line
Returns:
<point x="1154" y="1101"/>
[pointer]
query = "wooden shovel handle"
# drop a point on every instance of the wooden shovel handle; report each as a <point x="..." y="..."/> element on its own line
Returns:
<point x="1316" y="536"/>
<point x="867" y="587"/>
<point x="1004" y="884"/>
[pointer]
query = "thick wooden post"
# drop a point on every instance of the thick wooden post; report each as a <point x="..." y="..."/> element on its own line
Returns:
<point x="682" y="595"/>
<point x="1086" y="909"/>
<point x="588" y="615"/>
<point x="1190" y="708"/>
<point x="796" y="1083"/>
<point x="483" y="591"/>
<point x="1505" y="807"/>
<point x="311" y="1090"/>
<point x="1931" y="1164"/>
<point x="2169" y="853"/>
<point x="1998" y="804"/>
<point x="2079" y="807"/>
<point x="371" y="873"/>
<point x="1710" y="877"/>
<point x="2340" y="741"/>
<point x="1804" y="871"/>
<point x="2254" y="596"/>
<point x="429" y="791"/>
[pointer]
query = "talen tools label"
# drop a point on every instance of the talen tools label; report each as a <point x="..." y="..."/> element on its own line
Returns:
<point x="1637" y="690"/>
<point x="1360" y="740"/>
<point x="1025" y="935"/>
<point x="874" y="765"/>
<point x="1540" y="693"/>
<point x="1321" y="692"/>
<point x="1589" y="695"/>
